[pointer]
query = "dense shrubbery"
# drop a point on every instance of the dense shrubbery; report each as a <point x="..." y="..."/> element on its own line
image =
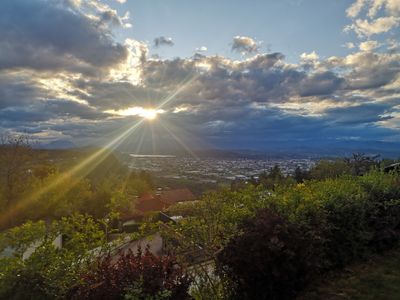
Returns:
<point x="265" y="245"/>
<point x="140" y="276"/>
<point x="270" y="260"/>
<point x="322" y="225"/>
<point x="267" y="238"/>
<point x="49" y="272"/>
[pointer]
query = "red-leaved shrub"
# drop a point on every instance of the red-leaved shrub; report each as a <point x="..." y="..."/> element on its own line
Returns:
<point x="134" y="276"/>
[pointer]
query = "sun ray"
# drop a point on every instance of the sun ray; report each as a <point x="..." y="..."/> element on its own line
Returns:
<point x="95" y="159"/>
<point x="180" y="142"/>
<point x="179" y="89"/>
<point x="153" y="142"/>
<point x="82" y="168"/>
<point x="140" y="143"/>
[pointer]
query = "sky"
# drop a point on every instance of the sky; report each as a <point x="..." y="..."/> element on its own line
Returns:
<point x="230" y="74"/>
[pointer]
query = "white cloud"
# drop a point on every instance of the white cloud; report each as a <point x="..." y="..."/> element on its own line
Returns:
<point x="201" y="49"/>
<point x="312" y="56"/>
<point x="244" y="44"/>
<point x="380" y="16"/>
<point x="373" y="7"/>
<point x="393" y="44"/>
<point x="355" y="8"/>
<point x="369" y="45"/>
<point x="350" y="45"/>
<point x="365" y="27"/>
<point x="125" y="20"/>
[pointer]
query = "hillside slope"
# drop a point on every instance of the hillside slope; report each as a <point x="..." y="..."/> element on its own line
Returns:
<point x="377" y="279"/>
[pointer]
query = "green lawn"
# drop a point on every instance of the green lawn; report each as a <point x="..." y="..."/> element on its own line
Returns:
<point x="377" y="279"/>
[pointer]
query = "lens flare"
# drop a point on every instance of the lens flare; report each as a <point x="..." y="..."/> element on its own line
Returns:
<point x="84" y="167"/>
<point x="145" y="113"/>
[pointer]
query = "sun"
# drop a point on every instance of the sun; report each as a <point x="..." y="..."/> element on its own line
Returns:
<point x="149" y="114"/>
<point x="146" y="113"/>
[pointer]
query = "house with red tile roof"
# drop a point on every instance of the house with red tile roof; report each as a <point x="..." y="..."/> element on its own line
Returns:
<point x="157" y="202"/>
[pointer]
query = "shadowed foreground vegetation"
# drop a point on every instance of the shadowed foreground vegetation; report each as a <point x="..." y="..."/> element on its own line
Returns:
<point x="270" y="239"/>
<point x="377" y="279"/>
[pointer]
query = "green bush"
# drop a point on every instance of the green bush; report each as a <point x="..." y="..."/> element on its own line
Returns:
<point x="270" y="260"/>
<point x="343" y="219"/>
<point x="49" y="272"/>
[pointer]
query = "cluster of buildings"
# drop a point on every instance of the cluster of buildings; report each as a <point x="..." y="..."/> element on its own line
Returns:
<point x="212" y="170"/>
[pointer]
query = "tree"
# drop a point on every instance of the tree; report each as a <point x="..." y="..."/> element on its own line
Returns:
<point x="274" y="178"/>
<point x="16" y="156"/>
<point x="300" y="175"/>
<point x="330" y="169"/>
<point x="361" y="163"/>
<point x="49" y="272"/>
<point x="208" y="226"/>
<point x="270" y="260"/>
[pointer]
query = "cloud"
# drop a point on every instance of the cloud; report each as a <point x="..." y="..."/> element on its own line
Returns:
<point x="350" y="45"/>
<point x="309" y="56"/>
<point x="393" y="45"/>
<point x="356" y="8"/>
<point x="373" y="17"/>
<point x="368" y="70"/>
<point x="64" y="75"/>
<point x="244" y="45"/>
<point x="360" y="114"/>
<point x="111" y="16"/>
<point x="163" y="41"/>
<point x="369" y="46"/>
<point x="201" y="49"/>
<point x="258" y="99"/>
<point x="379" y="25"/>
<point x="373" y="7"/>
<point x="309" y="60"/>
<point x="47" y="35"/>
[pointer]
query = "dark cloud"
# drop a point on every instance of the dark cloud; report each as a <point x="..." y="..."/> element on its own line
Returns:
<point x="321" y="83"/>
<point x="47" y="35"/>
<point x="163" y="41"/>
<point x="61" y="71"/>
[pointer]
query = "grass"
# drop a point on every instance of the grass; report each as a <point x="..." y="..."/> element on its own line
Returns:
<point x="377" y="279"/>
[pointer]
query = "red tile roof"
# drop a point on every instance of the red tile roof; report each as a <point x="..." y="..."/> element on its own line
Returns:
<point x="149" y="203"/>
<point x="174" y="196"/>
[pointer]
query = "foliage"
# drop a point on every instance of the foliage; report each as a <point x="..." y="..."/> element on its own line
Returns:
<point x="300" y="175"/>
<point x="41" y="184"/>
<point x="213" y="220"/>
<point x="342" y="219"/>
<point x="329" y="169"/>
<point x="358" y="164"/>
<point x="376" y="279"/>
<point x="361" y="163"/>
<point x="48" y="272"/>
<point x="275" y="178"/>
<point x="20" y="238"/>
<point x="140" y="276"/>
<point x="208" y="226"/>
<point x="268" y="238"/>
<point x="270" y="260"/>
<point x="16" y="156"/>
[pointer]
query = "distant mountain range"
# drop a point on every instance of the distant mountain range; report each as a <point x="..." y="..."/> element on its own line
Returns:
<point x="59" y="144"/>
<point x="277" y="149"/>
